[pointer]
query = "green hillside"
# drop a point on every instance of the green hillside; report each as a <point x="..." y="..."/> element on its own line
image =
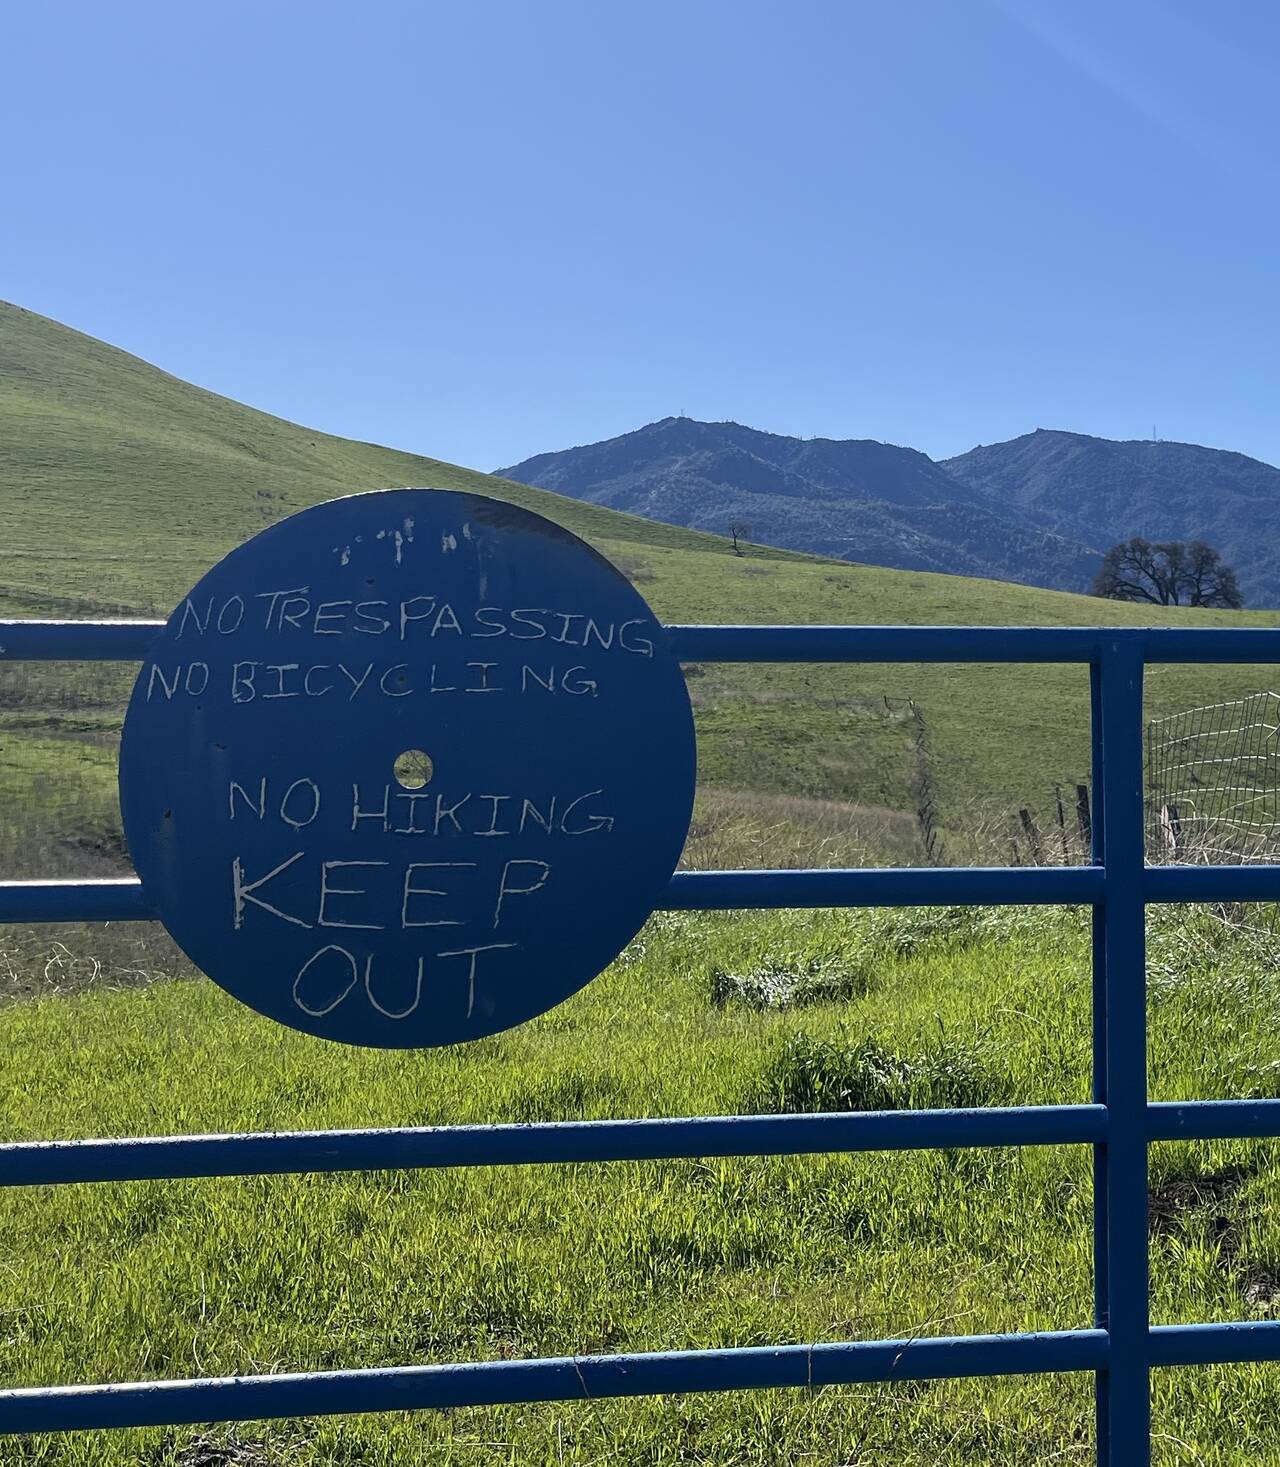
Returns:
<point x="120" y="484"/>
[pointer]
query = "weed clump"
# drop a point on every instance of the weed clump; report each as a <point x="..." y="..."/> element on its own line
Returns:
<point x="778" y="984"/>
<point x="835" y="966"/>
<point x="905" y="932"/>
<point x="809" y="1074"/>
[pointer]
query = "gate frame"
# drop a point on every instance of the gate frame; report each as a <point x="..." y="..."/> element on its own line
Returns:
<point x="1119" y="1124"/>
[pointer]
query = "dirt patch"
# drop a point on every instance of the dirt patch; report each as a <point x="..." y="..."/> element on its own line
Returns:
<point x="1209" y="1198"/>
<point x="1170" y="1202"/>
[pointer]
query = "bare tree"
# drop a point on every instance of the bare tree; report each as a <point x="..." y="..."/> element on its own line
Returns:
<point x="1168" y="573"/>
<point x="739" y="532"/>
<point x="1208" y="581"/>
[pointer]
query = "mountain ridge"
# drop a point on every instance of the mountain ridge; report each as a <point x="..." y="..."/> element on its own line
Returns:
<point x="1105" y="490"/>
<point x="803" y="493"/>
<point x="1039" y="509"/>
<point x="120" y="485"/>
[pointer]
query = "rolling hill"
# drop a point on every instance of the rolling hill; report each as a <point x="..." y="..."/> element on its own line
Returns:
<point x="853" y="499"/>
<point x="120" y="484"/>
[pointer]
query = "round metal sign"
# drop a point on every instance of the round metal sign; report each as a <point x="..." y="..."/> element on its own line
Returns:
<point x="407" y="768"/>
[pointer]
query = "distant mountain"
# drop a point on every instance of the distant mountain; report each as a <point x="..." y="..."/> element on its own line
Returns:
<point x="1099" y="491"/>
<point x="120" y="485"/>
<point x="854" y="499"/>
<point x="1040" y="509"/>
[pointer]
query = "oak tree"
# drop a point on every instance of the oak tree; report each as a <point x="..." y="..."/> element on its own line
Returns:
<point x="1167" y="573"/>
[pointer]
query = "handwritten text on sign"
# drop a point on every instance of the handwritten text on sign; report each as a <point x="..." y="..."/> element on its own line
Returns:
<point x="547" y="796"/>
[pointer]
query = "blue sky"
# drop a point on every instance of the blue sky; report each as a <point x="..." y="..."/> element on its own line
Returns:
<point x="485" y="230"/>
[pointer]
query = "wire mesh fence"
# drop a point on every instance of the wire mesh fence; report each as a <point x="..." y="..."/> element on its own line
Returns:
<point x="1213" y="782"/>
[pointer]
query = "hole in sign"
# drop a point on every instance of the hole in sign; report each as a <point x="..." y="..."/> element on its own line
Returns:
<point x="413" y="769"/>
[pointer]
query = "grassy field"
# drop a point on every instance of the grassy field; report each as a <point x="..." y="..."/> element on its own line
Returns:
<point x="860" y="1010"/>
<point x="118" y="486"/>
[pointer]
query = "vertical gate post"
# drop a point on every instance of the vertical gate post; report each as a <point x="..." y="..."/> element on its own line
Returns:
<point x="1098" y="1078"/>
<point x="1122" y="1300"/>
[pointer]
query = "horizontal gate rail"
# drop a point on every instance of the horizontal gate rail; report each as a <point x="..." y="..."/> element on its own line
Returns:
<point x="113" y="900"/>
<point x="155" y="1158"/>
<point x="550" y="1143"/>
<point x="1119" y="1123"/>
<point x="971" y="644"/>
<point x="600" y="1377"/>
<point x="568" y="1378"/>
<point x="123" y="900"/>
<point x="129" y="641"/>
<point x="76" y="641"/>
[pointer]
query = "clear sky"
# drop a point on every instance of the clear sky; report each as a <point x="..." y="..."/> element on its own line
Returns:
<point x="484" y="230"/>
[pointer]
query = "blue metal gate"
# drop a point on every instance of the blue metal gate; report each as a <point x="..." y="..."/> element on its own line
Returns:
<point x="1119" y="1124"/>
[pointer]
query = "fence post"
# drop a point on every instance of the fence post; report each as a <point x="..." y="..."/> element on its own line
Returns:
<point x="1083" y="818"/>
<point x="1120" y="1059"/>
<point x="1062" y="825"/>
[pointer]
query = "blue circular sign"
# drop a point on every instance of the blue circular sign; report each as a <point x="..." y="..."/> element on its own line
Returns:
<point x="407" y="768"/>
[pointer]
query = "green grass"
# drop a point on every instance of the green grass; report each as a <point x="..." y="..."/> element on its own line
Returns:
<point x="120" y="485"/>
<point x="183" y="1278"/>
